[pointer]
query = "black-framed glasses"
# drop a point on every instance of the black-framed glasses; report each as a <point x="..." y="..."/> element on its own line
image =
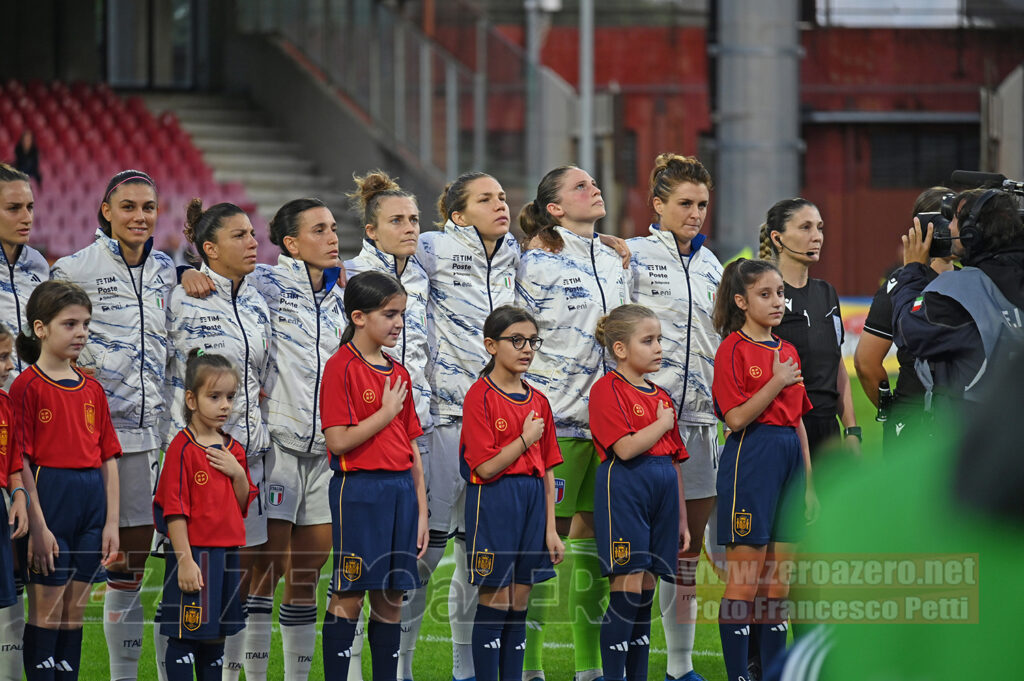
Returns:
<point x="519" y="342"/>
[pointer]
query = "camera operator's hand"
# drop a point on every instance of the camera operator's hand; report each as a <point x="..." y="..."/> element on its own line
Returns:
<point x="916" y="247"/>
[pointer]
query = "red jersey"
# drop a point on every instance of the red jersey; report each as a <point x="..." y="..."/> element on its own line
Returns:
<point x="62" y="426"/>
<point x="743" y="366"/>
<point x="619" y="408"/>
<point x="10" y="459"/>
<point x="351" y="391"/>
<point x="492" y="418"/>
<point x="189" y="486"/>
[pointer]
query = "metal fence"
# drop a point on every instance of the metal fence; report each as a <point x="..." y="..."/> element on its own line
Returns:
<point x="454" y="109"/>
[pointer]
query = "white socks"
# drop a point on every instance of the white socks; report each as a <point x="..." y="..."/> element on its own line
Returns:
<point x="298" y="638"/>
<point x="12" y="631"/>
<point x="462" y="601"/>
<point x="257" y="637"/>
<point x="414" y="607"/>
<point x="679" y="619"/>
<point x="123" y="627"/>
<point x="160" y="645"/>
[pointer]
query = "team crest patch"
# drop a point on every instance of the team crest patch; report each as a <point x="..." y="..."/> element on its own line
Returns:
<point x="45" y="415"/>
<point x="638" y="410"/>
<point x="559" y="490"/>
<point x="90" y="417"/>
<point x="276" y="494"/>
<point x="483" y="563"/>
<point x="202" y="477"/>
<point x="501" y="424"/>
<point x="741" y="523"/>
<point x="192" y="617"/>
<point x="756" y="372"/>
<point x="369" y="396"/>
<point x="620" y="552"/>
<point x="3" y="439"/>
<point x="352" y="567"/>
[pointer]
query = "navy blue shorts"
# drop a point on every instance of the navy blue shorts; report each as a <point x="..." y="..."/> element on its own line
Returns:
<point x="636" y="515"/>
<point x="215" y="611"/>
<point x="74" y="505"/>
<point x="8" y="592"/>
<point x="373" y="522"/>
<point x="761" y="486"/>
<point x="506" y="527"/>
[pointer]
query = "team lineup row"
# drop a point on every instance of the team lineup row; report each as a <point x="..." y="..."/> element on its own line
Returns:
<point x="279" y="325"/>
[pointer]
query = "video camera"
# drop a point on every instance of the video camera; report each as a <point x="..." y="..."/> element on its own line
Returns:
<point x="942" y="240"/>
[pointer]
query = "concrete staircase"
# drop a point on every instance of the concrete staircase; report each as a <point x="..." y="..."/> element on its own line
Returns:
<point x="240" y="145"/>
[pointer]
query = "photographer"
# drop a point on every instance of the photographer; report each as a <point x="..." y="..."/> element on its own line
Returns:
<point x="959" y="320"/>
<point x="906" y="406"/>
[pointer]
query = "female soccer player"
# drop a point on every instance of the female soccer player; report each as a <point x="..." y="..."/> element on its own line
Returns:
<point x="567" y="285"/>
<point x="64" y="429"/>
<point x="765" y="472"/>
<point x="471" y="263"/>
<point x="378" y="497"/>
<point x="508" y="448"/>
<point x="676" y="276"/>
<point x="25" y="267"/>
<point x="201" y="500"/>
<point x="129" y="283"/>
<point x="234" y="322"/>
<point x="639" y="499"/>
<point x="391" y="220"/>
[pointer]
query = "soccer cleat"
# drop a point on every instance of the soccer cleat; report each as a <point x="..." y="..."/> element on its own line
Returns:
<point x="472" y="678"/>
<point x="754" y="670"/>
<point x="533" y="675"/>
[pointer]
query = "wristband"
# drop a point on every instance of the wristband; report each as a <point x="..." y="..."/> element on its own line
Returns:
<point x="28" y="499"/>
<point x="525" y="446"/>
<point x="855" y="432"/>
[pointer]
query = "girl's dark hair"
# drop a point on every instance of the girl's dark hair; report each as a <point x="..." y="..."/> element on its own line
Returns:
<point x="534" y="218"/>
<point x="45" y="303"/>
<point x="286" y="220"/>
<point x="366" y="292"/>
<point x="775" y="221"/>
<point x="498" y="321"/>
<point x="455" y="195"/>
<point x="123" y="177"/>
<point x="202" y="226"/>
<point x="11" y="174"/>
<point x="618" y="325"/>
<point x="198" y="369"/>
<point x="371" y="189"/>
<point x="738" y="275"/>
<point x="671" y="170"/>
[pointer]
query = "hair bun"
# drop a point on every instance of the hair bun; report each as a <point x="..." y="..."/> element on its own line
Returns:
<point x="599" y="334"/>
<point x="193" y="213"/>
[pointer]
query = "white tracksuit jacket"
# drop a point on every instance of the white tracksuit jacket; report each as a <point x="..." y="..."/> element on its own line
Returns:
<point x="236" y="326"/>
<point x="680" y="289"/>
<point x="567" y="292"/>
<point x="127" y="346"/>
<point x="306" y="332"/>
<point x="412" y="348"/>
<point x="465" y="286"/>
<point x="17" y="282"/>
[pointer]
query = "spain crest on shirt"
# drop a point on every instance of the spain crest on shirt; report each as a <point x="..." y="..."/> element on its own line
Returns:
<point x="559" y="490"/>
<point x="192" y="617"/>
<point x="90" y="417"/>
<point x="3" y="439"/>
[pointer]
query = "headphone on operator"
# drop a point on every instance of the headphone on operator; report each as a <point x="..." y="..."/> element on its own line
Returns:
<point x="970" y="230"/>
